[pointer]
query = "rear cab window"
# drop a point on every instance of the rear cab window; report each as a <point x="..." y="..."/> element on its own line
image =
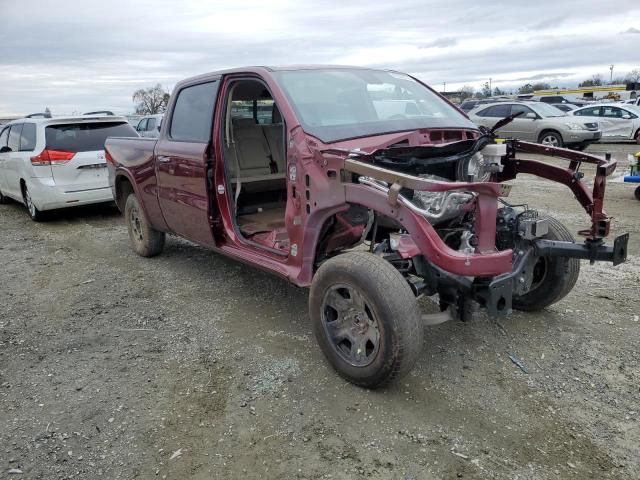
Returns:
<point x="192" y="118"/>
<point x="85" y="136"/>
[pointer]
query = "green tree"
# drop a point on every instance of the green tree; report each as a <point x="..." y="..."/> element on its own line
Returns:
<point x="594" y="81"/>
<point x="541" y="86"/>
<point x="528" y="88"/>
<point x="150" y="101"/>
<point x="486" y="90"/>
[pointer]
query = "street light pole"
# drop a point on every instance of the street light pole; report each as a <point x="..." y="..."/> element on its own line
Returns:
<point x="444" y="87"/>
<point x="490" y="89"/>
<point x="611" y="68"/>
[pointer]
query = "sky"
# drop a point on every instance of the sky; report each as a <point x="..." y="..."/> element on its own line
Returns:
<point x="74" y="56"/>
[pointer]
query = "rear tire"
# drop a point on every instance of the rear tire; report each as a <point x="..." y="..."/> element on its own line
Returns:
<point x="554" y="277"/>
<point x="3" y="199"/>
<point x="551" y="139"/>
<point x="145" y="240"/>
<point x="638" y="137"/>
<point x="637" y="193"/>
<point x="35" y="214"/>
<point x="365" y="319"/>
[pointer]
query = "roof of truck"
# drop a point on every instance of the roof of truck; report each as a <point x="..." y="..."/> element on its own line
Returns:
<point x="276" y="68"/>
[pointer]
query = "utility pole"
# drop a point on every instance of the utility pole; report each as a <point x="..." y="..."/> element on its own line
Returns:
<point x="611" y="68"/>
<point x="444" y="87"/>
<point x="490" y="89"/>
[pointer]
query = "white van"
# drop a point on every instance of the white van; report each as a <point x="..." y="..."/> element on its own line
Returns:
<point x="50" y="163"/>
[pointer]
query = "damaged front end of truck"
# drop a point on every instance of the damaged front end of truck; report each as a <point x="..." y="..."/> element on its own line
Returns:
<point x="442" y="218"/>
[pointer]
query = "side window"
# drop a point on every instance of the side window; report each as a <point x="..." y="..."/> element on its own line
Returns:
<point x="4" y="137"/>
<point x="500" y="111"/>
<point x="611" y="112"/>
<point x="193" y="113"/>
<point x="28" y="137"/>
<point x="628" y="114"/>
<point x="520" y="108"/>
<point x="14" y="137"/>
<point x="142" y="125"/>
<point x="264" y="111"/>
<point x="151" y="124"/>
<point x="588" y="112"/>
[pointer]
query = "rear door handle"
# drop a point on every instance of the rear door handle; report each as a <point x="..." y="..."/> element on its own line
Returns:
<point x="163" y="159"/>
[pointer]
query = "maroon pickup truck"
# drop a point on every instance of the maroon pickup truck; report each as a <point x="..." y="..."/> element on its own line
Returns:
<point x="369" y="188"/>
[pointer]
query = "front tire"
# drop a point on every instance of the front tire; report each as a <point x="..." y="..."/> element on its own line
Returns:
<point x="553" y="277"/>
<point x="145" y="240"/>
<point x="551" y="139"/>
<point x="637" y="193"/>
<point x="365" y="319"/>
<point x="35" y="214"/>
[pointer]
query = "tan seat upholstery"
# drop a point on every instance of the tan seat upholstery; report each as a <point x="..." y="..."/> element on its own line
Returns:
<point x="252" y="151"/>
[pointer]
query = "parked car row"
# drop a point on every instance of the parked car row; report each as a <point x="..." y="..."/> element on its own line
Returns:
<point x="538" y="122"/>
<point x="561" y="125"/>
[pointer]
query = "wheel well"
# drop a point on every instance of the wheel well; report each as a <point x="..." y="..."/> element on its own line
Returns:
<point x="23" y="186"/>
<point x="637" y="133"/>
<point x="550" y="130"/>
<point x="123" y="190"/>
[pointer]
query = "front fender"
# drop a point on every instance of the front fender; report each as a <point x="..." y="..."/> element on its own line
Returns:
<point x="486" y="264"/>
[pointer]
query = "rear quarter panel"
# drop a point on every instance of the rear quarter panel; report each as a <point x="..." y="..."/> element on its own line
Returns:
<point x="134" y="158"/>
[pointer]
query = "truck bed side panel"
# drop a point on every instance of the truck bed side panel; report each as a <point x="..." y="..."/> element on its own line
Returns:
<point x="135" y="158"/>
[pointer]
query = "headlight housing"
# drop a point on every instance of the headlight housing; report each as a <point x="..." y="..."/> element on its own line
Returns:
<point x="574" y="126"/>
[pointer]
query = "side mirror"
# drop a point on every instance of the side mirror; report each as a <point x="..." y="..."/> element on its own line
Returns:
<point x="531" y="115"/>
<point x="158" y="127"/>
<point x="5" y="149"/>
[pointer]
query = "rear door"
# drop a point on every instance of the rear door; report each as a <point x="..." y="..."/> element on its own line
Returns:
<point x="76" y="152"/>
<point x="489" y="116"/>
<point x="182" y="154"/>
<point x="522" y="127"/>
<point x="620" y="122"/>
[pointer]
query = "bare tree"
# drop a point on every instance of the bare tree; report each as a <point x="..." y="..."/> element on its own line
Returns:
<point x="633" y="76"/>
<point x="150" y="101"/>
<point x="466" y="92"/>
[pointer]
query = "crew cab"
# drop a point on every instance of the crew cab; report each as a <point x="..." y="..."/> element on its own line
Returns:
<point x="366" y="186"/>
<point x="51" y="163"/>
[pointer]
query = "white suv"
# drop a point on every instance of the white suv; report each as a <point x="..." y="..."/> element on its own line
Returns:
<point x="50" y="163"/>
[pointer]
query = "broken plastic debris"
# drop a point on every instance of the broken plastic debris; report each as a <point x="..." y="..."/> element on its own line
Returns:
<point x="176" y="454"/>
<point x="518" y="363"/>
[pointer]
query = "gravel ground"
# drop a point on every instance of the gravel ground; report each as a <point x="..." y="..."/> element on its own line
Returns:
<point x="191" y="365"/>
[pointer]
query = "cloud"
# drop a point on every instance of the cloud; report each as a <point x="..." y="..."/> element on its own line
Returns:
<point x="441" y="43"/>
<point x="81" y="56"/>
<point x="630" y="30"/>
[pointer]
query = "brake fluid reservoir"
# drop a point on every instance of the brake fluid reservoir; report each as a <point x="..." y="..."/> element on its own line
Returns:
<point x="492" y="155"/>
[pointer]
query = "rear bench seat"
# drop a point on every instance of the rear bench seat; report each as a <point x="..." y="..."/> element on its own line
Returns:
<point x="255" y="146"/>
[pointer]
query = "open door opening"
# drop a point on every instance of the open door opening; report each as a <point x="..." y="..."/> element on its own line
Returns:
<point x="254" y="150"/>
